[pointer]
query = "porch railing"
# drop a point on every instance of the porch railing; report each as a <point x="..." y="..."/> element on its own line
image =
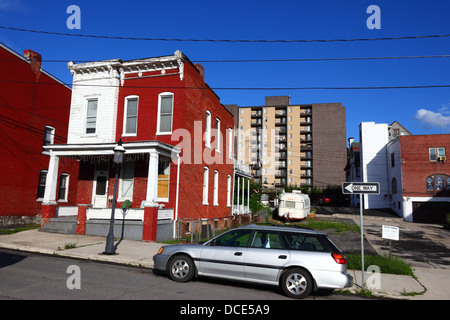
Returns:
<point x="105" y="213"/>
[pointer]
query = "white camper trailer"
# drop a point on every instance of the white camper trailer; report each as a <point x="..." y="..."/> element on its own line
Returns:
<point x="293" y="206"/>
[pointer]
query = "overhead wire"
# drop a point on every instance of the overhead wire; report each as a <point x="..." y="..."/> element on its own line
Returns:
<point x="221" y="40"/>
<point x="273" y="60"/>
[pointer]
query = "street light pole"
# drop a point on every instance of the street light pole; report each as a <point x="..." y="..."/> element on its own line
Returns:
<point x="118" y="160"/>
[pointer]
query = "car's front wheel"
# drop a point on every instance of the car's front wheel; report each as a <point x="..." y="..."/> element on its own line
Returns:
<point x="297" y="283"/>
<point x="181" y="268"/>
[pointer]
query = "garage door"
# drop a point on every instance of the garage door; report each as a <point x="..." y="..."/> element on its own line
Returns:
<point x="430" y="212"/>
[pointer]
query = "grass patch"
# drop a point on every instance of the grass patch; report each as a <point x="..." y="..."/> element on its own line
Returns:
<point x="394" y="265"/>
<point x="7" y="231"/>
<point x="337" y="226"/>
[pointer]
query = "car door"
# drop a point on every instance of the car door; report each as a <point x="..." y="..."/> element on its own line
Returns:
<point x="265" y="256"/>
<point x="224" y="257"/>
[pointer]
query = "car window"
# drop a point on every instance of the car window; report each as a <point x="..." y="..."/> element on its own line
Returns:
<point x="236" y="238"/>
<point x="266" y="239"/>
<point x="303" y="242"/>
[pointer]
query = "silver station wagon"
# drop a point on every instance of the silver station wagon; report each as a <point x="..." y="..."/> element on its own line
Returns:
<point x="298" y="260"/>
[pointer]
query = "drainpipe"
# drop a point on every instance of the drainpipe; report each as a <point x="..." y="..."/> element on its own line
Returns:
<point x="176" y="197"/>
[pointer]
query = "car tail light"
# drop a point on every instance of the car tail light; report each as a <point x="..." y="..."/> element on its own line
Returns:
<point x="339" y="258"/>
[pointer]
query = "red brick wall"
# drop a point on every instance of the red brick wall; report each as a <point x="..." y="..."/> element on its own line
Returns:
<point x="28" y="104"/>
<point x="416" y="165"/>
<point x="192" y="97"/>
<point x="196" y="102"/>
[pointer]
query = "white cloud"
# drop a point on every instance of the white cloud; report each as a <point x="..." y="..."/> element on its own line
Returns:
<point x="434" y="119"/>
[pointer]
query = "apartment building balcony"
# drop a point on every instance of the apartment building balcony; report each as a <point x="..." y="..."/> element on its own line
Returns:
<point x="306" y="174"/>
<point x="307" y="109"/>
<point x="281" y="122"/>
<point x="306" y="156"/>
<point x="307" y="165"/>
<point x="306" y="147"/>
<point x="257" y="123"/>
<point x="306" y="138"/>
<point x="280" y="165"/>
<point x="256" y="115"/>
<point x="281" y="156"/>
<point x="280" y="114"/>
<point x="281" y="174"/>
<point x="306" y="129"/>
<point x="306" y="121"/>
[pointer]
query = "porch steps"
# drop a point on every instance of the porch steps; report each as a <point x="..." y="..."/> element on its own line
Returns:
<point x="64" y="225"/>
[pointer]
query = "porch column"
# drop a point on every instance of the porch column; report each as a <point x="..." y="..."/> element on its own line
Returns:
<point x="49" y="201"/>
<point x="248" y="193"/>
<point x="243" y="197"/>
<point x="152" y="180"/>
<point x="51" y="181"/>
<point x="237" y="203"/>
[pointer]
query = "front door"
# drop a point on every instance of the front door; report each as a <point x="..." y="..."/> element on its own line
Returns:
<point x="100" y="192"/>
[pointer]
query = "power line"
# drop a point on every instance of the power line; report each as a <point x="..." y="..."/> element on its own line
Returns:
<point x="324" y="59"/>
<point x="274" y="60"/>
<point x="220" y="40"/>
<point x="244" y="88"/>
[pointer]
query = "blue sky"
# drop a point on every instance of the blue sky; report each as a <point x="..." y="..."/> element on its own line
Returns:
<point x="421" y="111"/>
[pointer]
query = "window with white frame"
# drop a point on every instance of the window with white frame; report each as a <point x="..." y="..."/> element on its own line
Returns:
<point x="127" y="181"/>
<point x="229" y="191"/>
<point x="230" y="143"/>
<point x="218" y="135"/>
<point x="165" y="113"/>
<point x="436" y="153"/>
<point x="208" y="129"/>
<point x="130" y="116"/>
<point x="91" y="116"/>
<point x="205" y="185"/>
<point x="216" y="188"/>
<point x="41" y="186"/>
<point x="63" y="187"/>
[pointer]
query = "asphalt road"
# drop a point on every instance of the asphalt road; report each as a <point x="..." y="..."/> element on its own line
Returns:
<point x="32" y="276"/>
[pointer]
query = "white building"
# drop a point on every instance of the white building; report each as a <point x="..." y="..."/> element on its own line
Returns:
<point x="373" y="141"/>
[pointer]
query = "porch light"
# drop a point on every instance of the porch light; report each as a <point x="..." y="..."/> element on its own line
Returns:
<point x="118" y="161"/>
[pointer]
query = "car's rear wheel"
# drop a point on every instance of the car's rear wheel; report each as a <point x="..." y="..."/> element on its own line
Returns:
<point x="297" y="283"/>
<point x="181" y="268"/>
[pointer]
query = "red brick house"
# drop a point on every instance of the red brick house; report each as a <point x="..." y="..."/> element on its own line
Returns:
<point x="176" y="133"/>
<point x="419" y="175"/>
<point x="34" y="112"/>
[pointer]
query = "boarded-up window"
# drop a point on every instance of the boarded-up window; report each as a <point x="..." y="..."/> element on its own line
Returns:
<point x="163" y="177"/>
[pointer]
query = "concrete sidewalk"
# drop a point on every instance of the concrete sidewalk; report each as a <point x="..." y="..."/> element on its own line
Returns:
<point x="138" y="253"/>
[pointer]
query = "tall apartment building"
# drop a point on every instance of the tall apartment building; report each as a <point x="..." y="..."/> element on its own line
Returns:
<point x="293" y="144"/>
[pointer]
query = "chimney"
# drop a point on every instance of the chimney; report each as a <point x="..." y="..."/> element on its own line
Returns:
<point x="200" y="69"/>
<point x="35" y="60"/>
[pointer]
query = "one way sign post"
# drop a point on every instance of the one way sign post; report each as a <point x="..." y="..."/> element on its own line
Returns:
<point x="361" y="188"/>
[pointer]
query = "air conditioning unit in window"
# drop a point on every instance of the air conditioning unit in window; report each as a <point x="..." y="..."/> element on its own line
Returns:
<point x="442" y="159"/>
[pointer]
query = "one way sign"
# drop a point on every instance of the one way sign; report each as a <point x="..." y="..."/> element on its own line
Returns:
<point x="360" y="187"/>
